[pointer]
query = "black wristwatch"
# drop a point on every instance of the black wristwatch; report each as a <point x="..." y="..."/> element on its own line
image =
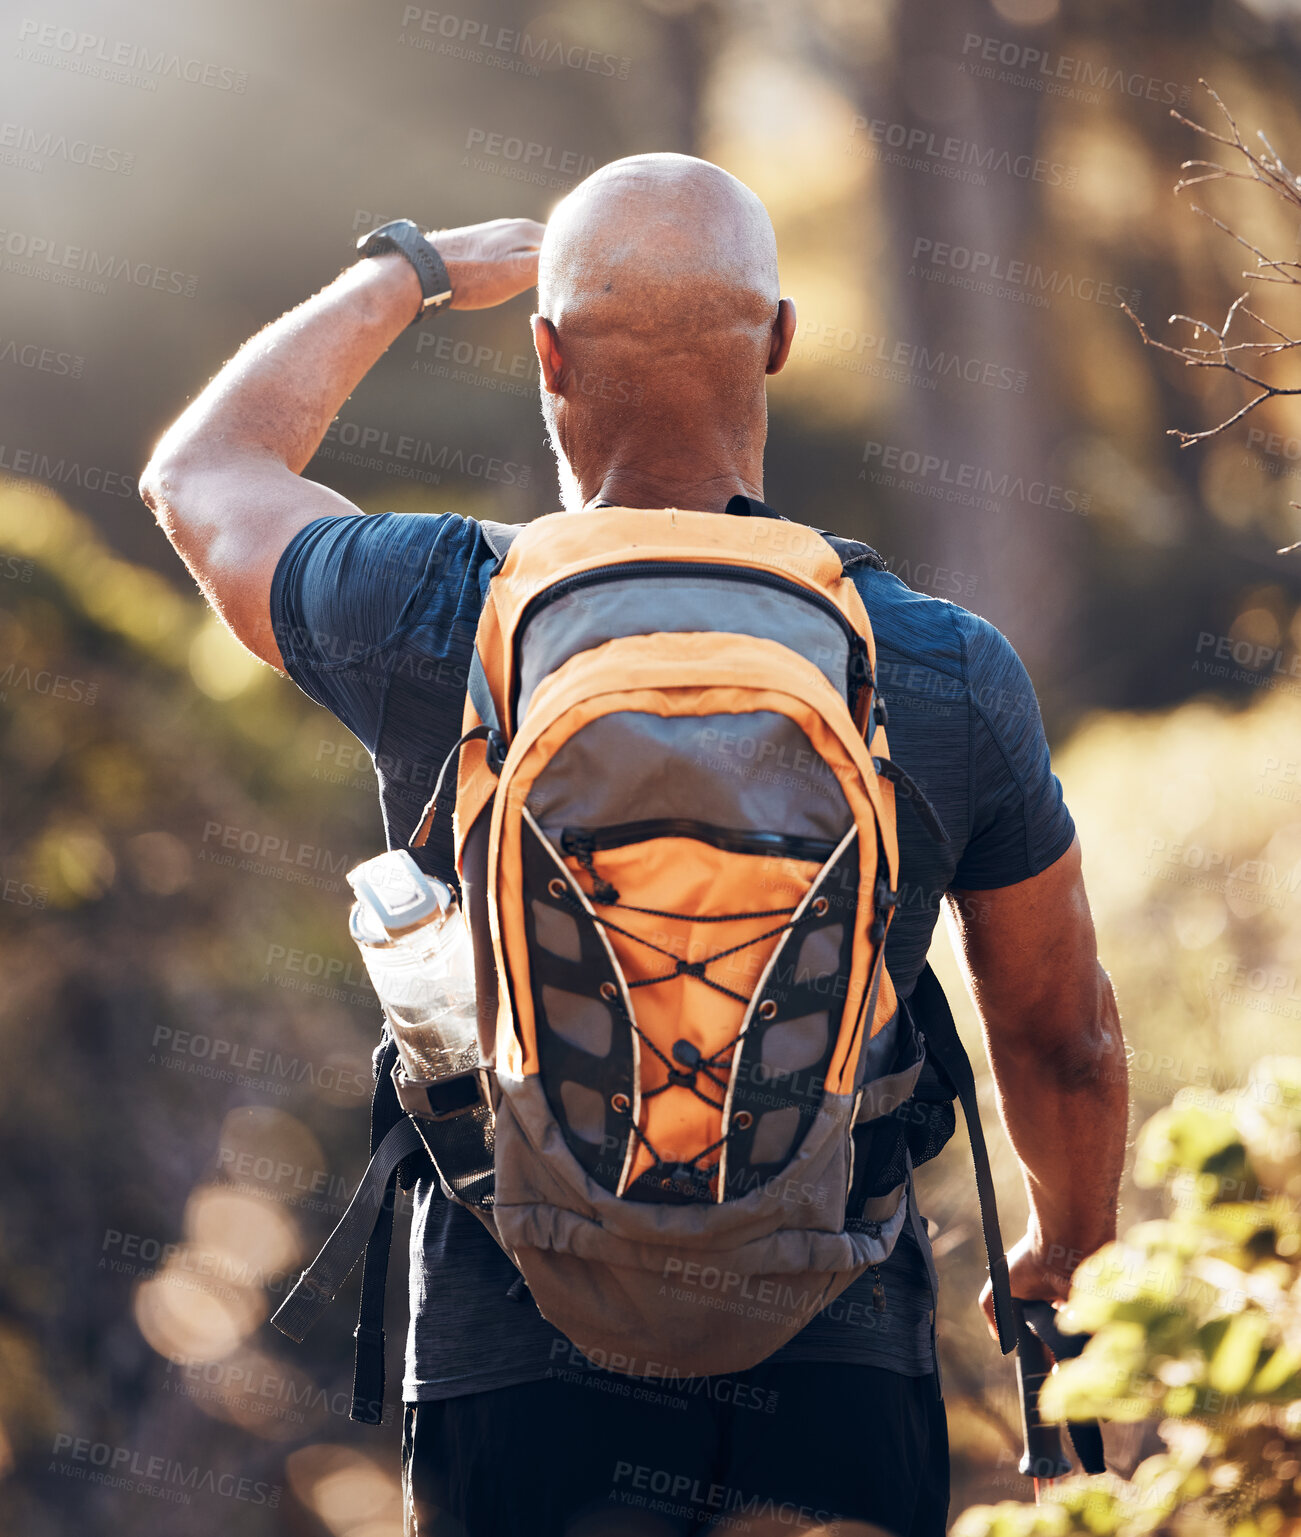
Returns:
<point x="404" y="236"/>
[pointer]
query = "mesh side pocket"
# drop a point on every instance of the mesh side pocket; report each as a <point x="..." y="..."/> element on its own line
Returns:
<point x="462" y="1149"/>
<point x="930" y="1130"/>
<point x="918" y="1128"/>
<point x="879" y="1164"/>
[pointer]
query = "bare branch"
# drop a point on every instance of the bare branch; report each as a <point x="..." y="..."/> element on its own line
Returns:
<point x="1268" y="170"/>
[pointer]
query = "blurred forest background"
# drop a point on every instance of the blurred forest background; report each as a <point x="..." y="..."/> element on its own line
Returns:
<point x="964" y="191"/>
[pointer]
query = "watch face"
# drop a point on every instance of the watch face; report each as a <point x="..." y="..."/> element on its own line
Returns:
<point x="381" y="239"/>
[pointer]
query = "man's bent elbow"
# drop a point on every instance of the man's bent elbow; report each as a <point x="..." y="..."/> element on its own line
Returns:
<point x="160" y="482"/>
<point x="169" y="488"/>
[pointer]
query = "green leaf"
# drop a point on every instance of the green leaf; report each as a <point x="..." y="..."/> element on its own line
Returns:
<point x="1235" y="1359"/>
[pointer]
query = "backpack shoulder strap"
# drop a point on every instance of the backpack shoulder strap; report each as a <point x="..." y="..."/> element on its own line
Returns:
<point x="930" y="1010"/>
<point x="854" y="554"/>
<point x="500" y="536"/>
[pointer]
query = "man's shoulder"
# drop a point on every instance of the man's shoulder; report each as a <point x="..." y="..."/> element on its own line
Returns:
<point x="921" y="627"/>
<point x="931" y="647"/>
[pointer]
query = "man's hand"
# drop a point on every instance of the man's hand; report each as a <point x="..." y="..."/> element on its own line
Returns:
<point x="225" y="481"/>
<point x="1054" y="1042"/>
<point x="489" y="263"/>
<point x="1037" y="1272"/>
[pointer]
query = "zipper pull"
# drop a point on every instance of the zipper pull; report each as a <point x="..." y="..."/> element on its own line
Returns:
<point x="878" y="1289"/>
<point x="584" y="847"/>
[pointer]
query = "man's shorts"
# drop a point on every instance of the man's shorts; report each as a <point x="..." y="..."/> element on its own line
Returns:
<point x="781" y="1449"/>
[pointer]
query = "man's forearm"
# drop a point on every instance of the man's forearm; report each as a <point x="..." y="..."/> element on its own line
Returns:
<point x="278" y="395"/>
<point x="1065" y="1108"/>
<point x="226" y="480"/>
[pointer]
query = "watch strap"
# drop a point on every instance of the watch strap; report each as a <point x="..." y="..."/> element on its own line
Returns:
<point x="404" y="235"/>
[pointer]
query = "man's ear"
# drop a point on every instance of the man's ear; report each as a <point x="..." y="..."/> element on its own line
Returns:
<point x="547" y="345"/>
<point x="783" y="336"/>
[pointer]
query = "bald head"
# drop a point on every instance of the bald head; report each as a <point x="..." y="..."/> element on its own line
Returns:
<point x="652" y="235"/>
<point x="659" y="318"/>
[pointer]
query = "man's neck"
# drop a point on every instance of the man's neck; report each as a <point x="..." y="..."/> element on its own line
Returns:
<point x="710" y="493"/>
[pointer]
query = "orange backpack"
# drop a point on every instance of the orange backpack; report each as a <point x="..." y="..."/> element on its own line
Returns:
<point x="679" y="862"/>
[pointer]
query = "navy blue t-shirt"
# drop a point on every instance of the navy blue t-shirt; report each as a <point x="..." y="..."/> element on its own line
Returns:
<point x="375" y="618"/>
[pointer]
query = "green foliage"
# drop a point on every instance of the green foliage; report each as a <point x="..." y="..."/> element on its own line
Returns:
<point x="1195" y="1320"/>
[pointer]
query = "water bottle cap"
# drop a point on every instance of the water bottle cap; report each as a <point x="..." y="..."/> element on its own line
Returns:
<point x="397" y="891"/>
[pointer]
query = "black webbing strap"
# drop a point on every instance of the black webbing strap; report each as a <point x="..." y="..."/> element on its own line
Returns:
<point x="918" y="1224"/>
<point x="368" y="1354"/>
<point x="931" y="1010"/>
<point x="318" y="1285"/>
<point x="1040" y="1320"/>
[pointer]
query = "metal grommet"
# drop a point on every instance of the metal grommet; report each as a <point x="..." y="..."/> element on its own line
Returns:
<point x="620" y="1103"/>
<point x="819" y="906"/>
<point x="609" y="991"/>
<point x="768" y="1008"/>
<point x="557" y="887"/>
<point x="743" y="1120"/>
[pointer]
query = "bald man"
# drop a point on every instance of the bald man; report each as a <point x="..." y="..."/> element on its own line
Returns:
<point x="659" y="320"/>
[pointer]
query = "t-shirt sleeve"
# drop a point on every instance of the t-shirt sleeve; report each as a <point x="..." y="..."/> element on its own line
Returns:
<point x="1019" y="821"/>
<point x="345" y="591"/>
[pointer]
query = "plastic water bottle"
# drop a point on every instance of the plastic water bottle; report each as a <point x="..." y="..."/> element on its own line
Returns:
<point x="418" y="953"/>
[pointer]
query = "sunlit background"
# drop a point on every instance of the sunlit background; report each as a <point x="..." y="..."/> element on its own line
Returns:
<point x="964" y="192"/>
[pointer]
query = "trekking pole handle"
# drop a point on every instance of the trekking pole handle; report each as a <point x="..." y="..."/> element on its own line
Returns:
<point x="1042" y="1458"/>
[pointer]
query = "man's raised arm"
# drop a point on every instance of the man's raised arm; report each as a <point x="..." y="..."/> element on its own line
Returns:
<point x="225" y="480"/>
<point x="1055" y="1044"/>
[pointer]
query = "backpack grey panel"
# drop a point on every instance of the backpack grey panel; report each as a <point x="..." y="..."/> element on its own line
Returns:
<point x="752" y="772"/>
<point x="586" y="1053"/>
<point x="657" y="1290"/>
<point x="647" y="605"/>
